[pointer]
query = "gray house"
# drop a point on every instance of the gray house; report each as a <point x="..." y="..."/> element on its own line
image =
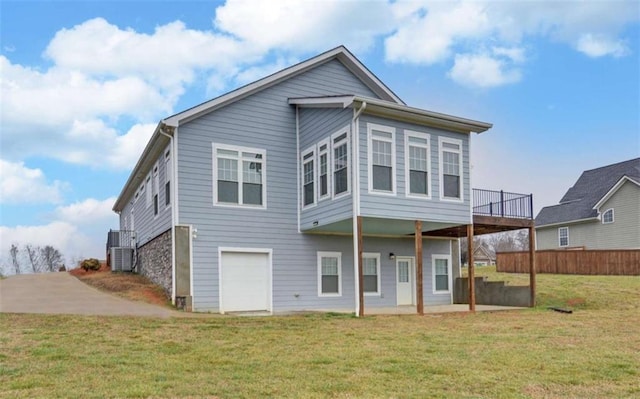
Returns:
<point x="315" y="188"/>
<point x="600" y="211"/>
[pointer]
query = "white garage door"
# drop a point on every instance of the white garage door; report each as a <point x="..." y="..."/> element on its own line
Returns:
<point x="245" y="282"/>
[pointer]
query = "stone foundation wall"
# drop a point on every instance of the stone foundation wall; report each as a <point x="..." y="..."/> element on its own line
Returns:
<point x="154" y="261"/>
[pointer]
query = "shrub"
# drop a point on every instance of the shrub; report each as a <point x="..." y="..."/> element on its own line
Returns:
<point x="62" y="268"/>
<point x="90" y="264"/>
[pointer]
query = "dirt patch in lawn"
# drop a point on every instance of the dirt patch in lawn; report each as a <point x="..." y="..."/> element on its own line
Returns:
<point x="127" y="285"/>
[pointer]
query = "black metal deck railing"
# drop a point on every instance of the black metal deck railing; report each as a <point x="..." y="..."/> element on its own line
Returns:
<point x="120" y="238"/>
<point x="502" y="204"/>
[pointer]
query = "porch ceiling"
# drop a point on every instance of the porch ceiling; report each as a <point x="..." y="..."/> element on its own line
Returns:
<point x="381" y="227"/>
<point x="484" y="225"/>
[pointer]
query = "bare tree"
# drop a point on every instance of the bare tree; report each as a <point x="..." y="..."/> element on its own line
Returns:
<point x="14" y="252"/>
<point x="33" y="253"/>
<point x="51" y="258"/>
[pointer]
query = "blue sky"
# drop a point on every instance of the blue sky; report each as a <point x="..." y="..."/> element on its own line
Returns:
<point x="83" y="84"/>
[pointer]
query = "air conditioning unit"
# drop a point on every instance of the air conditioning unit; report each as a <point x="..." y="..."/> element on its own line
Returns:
<point x="122" y="259"/>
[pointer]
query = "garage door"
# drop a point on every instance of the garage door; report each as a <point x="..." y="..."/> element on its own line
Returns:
<point x="245" y="281"/>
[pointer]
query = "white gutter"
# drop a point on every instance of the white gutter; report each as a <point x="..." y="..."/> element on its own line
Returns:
<point x="355" y="196"/>
<point x="174" y="158"/>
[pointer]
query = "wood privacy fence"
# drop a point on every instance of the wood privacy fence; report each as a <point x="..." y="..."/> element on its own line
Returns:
<point x="598" y="262"/>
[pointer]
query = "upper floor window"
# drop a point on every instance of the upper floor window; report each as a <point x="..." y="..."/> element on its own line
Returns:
<point x="156" y="189"/>
<point x="168" y="170"/>
<point x="382" y="157"/>
<point x="607" y="216"/>
<point x="149" y="194"/>
<point x="329" y="274"/>
<point x="563" y="236"/>
<point x="239" y="177"/>
<point x="308" y="178"/>
<point x="323" y="170"/>
<point x="340" y="145"/>
<point x="450" y="168"/>
<point x="417" y="164"/>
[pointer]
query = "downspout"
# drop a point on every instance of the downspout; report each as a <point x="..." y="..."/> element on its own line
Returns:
<point x="174" y="157"/>
<point x="355" y="196"/>
<point x="298" y="176"/>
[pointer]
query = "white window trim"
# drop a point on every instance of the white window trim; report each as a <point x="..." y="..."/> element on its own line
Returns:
<point x="407" y="179"/>
<point x="310" y="150"/>
<point x="559" y="236"/>
<point x="217" y="146"/>
<point x="613" y="219"/>
<point x="323" y="254"/>
<point x="442" y="140"/>
<point x="327" y="151"/>
<point x="376" y="256"/>
<point x="386" y="129"/>
<point x="433" y="274"/>
<point x="167" y="178"/>
<point x="331" y="160"/>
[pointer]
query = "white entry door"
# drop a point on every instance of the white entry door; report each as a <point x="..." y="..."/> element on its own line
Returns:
<point x="405" y="281"/>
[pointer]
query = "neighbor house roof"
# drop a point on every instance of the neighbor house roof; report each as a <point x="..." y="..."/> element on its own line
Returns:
<point x="159" y="140"/>
<point x="593" y="187"/>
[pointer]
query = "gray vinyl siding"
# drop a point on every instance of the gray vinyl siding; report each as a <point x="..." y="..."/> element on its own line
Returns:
<point x="399" y="206"/>
<point x="263" y="120"/>
<point x="623" y="233"/>
<point x="317" y="125"/>
<point x="148" y="226"/>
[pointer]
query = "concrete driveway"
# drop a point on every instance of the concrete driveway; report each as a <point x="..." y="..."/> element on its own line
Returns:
<point x="61" y="293"/>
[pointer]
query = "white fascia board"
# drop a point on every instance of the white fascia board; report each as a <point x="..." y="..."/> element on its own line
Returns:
<point x="156" y="145"/>
<point x="393" y="110"/>
<point x="422" y="115"/>
<point x="322" y="102"/>
<point x="613" y="190"/>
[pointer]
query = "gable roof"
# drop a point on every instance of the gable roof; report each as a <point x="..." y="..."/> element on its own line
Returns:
<point x="340" y="53"/>
<point x="481" y="249"/>
<point x="160" y="138"/>
<point x="592" y="188"/>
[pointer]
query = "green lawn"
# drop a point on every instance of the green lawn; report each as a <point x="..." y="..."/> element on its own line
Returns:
<point x="536" y="353"/>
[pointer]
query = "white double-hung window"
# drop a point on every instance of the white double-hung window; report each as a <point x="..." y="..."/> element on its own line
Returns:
<point x="340" y="146"/>
<point x="441" y="274"/>
<point x="329" y="274"/>
<point x="563" y="237"/>
<point x="382" y="158"/>
<point x="323" y="170"/>
<point x="239" y="176"/>
<point x="308" y="178"/>
<point x="417" y="161"/>
<point x="450" y="169"/>
<point x="371" y="273"/>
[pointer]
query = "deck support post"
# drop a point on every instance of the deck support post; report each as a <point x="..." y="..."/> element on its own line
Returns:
<point x="532" y="265"/>
<point x="471" y="268"/>
<point x="360" y="270"/>
<point x="419" y="285"/>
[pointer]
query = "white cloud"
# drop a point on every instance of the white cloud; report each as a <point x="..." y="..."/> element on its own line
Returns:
<point x="481" y="70"/>
<point x="77" y="230"/>
<point x="21" y="184"/>
<point x="600" y="46"/>
<point x="87" y="212"/>
<point x="430" y="31"/>
<point x="305" y="26"/>
<point x="254" y="73"/>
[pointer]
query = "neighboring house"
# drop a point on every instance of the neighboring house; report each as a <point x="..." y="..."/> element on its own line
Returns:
<point x="482" y="256"/>
<point x="256" y="200"/>
<point x="600" y="211"/>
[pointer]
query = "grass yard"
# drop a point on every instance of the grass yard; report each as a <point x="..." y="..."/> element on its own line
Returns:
<point x="592" y="353"/>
